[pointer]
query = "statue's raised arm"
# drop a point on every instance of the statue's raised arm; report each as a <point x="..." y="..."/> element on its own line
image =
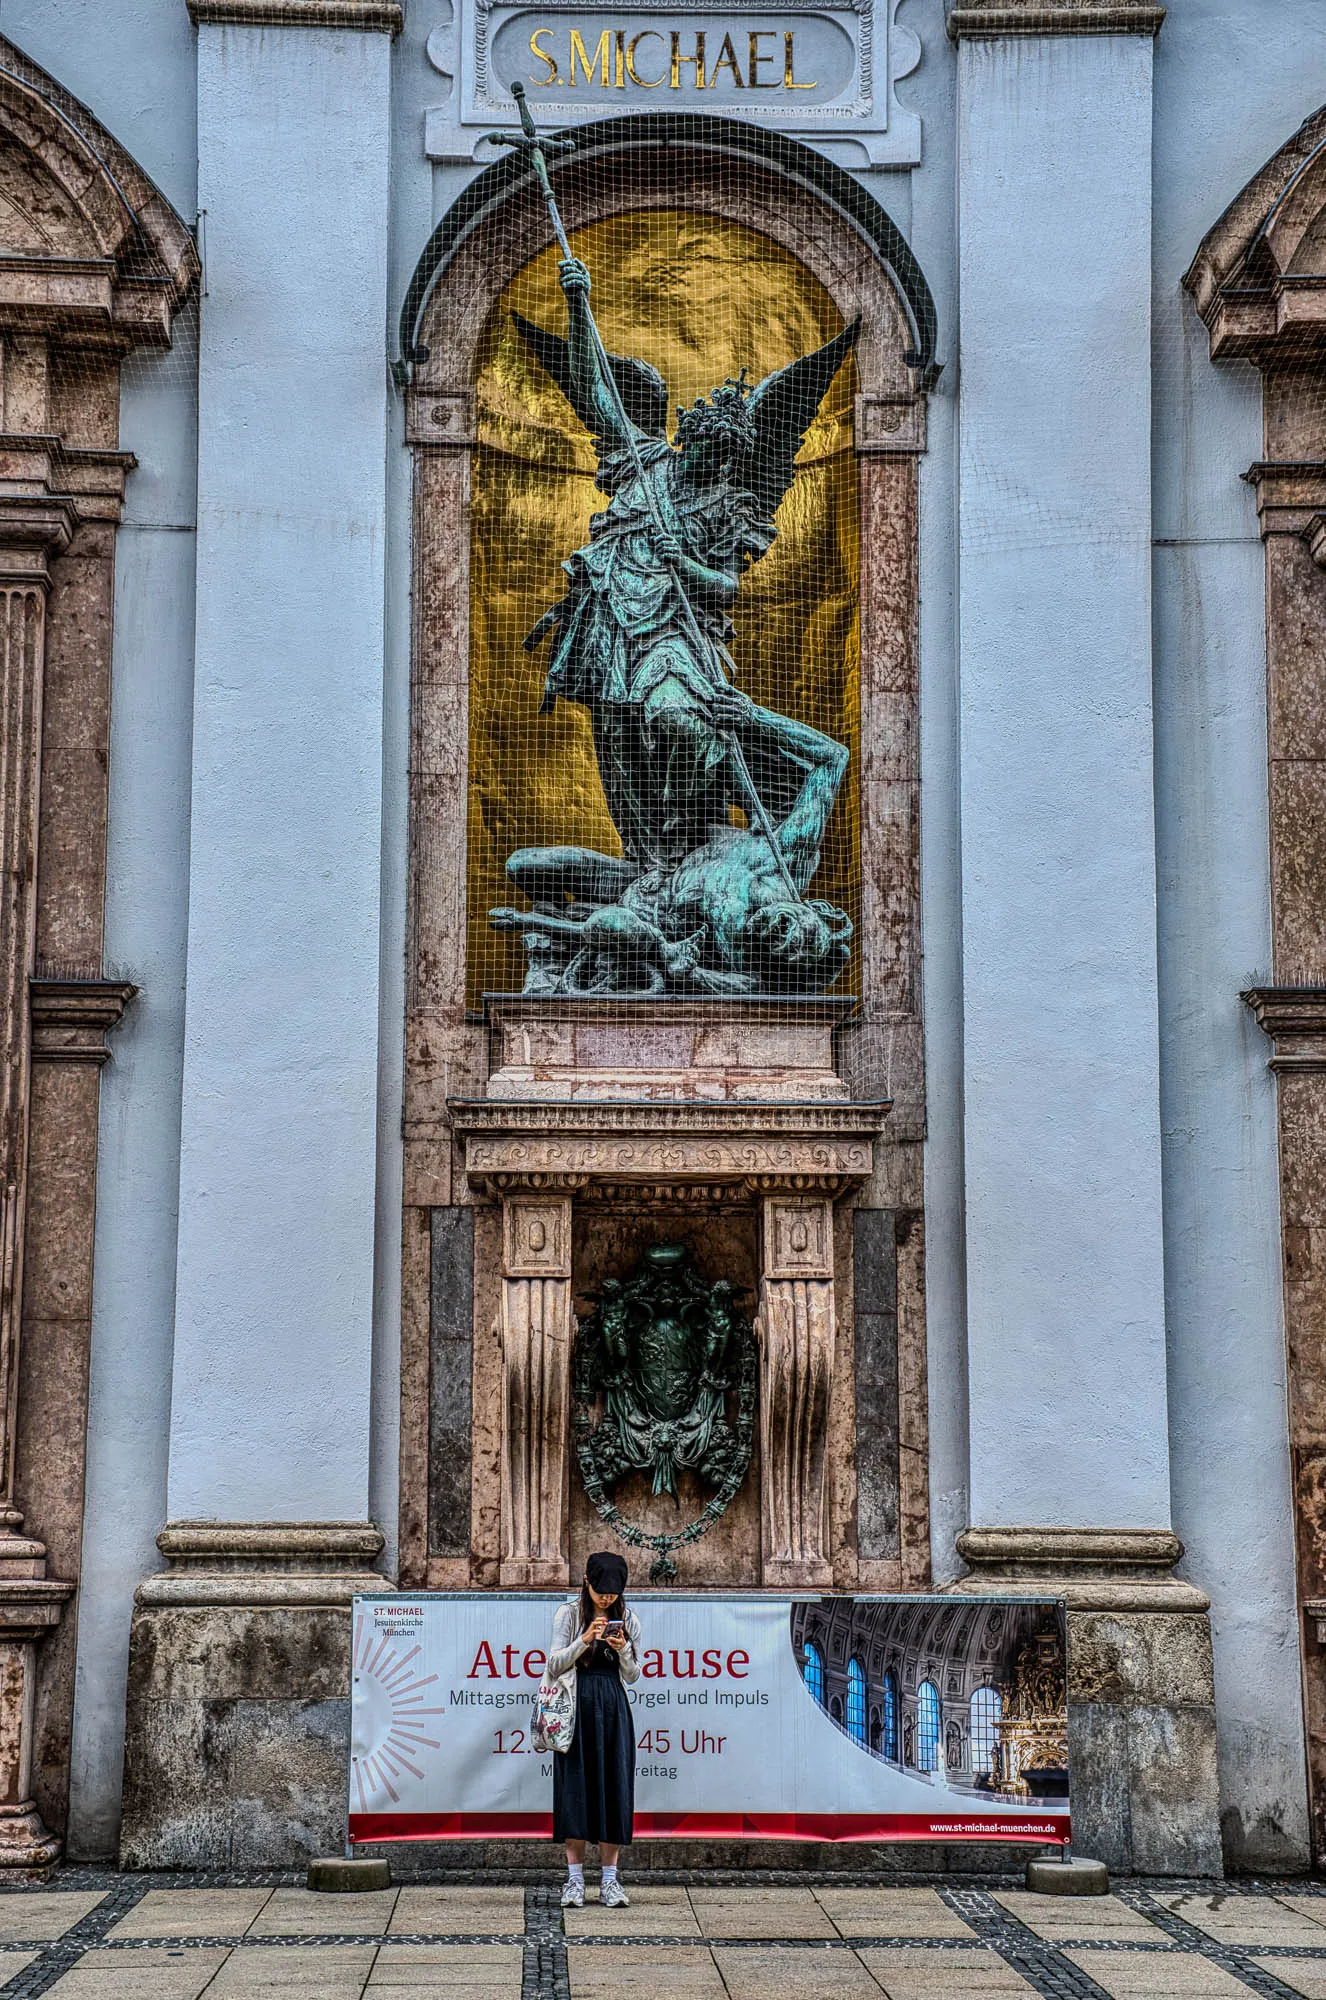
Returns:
<point x="576" y="365"/>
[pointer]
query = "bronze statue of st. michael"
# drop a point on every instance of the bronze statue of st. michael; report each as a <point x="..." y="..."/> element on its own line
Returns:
<point x="696" y="902"/>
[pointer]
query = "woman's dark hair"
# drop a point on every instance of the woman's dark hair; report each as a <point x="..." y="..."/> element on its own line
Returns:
<point x="589" y="1611"/>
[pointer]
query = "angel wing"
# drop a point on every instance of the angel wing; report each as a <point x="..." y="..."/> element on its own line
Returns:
<point x="643" y="391"/>
<point x="783" y="407"/>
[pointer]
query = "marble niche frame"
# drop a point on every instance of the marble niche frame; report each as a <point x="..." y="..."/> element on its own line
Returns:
<point x="452" y="1224"/>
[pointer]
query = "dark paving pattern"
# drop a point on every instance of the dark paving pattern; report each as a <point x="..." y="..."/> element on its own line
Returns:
<point x="787" y="1935"/>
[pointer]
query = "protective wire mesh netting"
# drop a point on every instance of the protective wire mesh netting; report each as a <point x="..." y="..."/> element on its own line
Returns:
<point x="595" y="754"/>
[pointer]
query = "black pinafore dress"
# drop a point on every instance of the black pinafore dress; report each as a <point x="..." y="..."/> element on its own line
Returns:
<point x="594" y="1782"/>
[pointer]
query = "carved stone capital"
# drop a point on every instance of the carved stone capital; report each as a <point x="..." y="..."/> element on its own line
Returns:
<point x="381" y="16"/>
<point x="35" y="526"/>
<point x="1294" y="1020"/>
<point x="986" y="18"/>
<point x="1291" y="496"/>
<point x="70" y="1017"/>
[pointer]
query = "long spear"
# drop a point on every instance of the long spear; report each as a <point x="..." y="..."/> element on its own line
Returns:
<point x="537" y="150"/>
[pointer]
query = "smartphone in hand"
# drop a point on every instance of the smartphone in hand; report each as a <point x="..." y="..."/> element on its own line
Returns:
<point x="616" y="1627"/>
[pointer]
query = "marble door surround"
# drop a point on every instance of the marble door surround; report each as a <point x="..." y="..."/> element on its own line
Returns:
<point x="537" y="1158"/>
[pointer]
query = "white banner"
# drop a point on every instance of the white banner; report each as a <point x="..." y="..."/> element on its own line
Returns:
<point x="839" y="1719"/>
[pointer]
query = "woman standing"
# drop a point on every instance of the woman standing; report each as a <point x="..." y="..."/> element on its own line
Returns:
<point x="597" y="1639"/>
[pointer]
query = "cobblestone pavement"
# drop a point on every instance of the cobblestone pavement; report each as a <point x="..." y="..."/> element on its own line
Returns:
<point x="86" y="1935"/>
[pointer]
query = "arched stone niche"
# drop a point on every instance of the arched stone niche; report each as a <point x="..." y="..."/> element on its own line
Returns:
<point x="93" y="263"/>
<point x="490" y="1139"/>
<point x="1259" y="283"/>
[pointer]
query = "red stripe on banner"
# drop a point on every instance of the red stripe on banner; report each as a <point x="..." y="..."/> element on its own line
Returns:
<point x="1050" y="1829"/>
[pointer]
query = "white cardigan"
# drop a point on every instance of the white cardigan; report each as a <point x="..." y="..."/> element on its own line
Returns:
<point x="568" y="1646"/>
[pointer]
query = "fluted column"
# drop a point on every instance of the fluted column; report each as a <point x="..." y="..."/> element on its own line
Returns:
<point x="536" y="1335"/>
<point x="796" y="1336"/>
<point x="31" y="531"/>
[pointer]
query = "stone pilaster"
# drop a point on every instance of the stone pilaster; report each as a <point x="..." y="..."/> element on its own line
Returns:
<point x="537" y="1333"/>
<point x="32" y="531"/>
<point x="796" y="1329"/>
<point x="1141" y="1689"/>
<point x="239" y="1693"/>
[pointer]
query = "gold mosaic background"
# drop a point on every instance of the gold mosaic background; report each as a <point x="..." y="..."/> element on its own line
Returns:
<point x="698" y="297"/>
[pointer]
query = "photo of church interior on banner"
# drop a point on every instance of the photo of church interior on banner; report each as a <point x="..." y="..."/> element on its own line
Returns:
<point x="662" y="917"/>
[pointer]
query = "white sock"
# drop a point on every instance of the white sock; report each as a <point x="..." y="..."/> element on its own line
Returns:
<point x="575" y="1872"/>
<point x="609" y="1874"/>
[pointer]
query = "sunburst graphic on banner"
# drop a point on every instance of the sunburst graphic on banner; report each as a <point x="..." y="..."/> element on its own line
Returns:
<point x="392" y="1715"/>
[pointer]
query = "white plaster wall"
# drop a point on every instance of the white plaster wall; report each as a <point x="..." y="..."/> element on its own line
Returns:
<point x="1062" y="1145"/>
<point x="922" y="205"/>
<point x="1231" y="86"/>
<point x="270" y="1415"/>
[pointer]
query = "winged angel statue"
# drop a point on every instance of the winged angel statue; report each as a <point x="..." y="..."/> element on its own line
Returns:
<point x="696" y="903"/>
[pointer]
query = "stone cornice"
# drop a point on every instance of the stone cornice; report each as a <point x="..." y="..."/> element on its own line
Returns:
<point x="304" y="1565"/>
<point x="374" y="16"/>
<point x="1291" y="499"/>
<point x="1293" y="1018"/>
<point x="985" y="19"/>
<point x="1093" y="1569"/>
<point x="744" y="1146"/>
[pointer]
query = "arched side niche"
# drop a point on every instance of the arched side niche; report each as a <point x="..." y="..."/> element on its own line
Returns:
<point x="1259" y="283"/>
<point x="451" y="1395"/>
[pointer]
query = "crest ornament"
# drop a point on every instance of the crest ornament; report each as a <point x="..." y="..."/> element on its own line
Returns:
<point x="661" y="1356"/>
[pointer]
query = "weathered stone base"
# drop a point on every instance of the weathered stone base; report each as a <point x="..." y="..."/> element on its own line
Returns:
<point x="1141" y="1689"/>
<point x="239" y="1695"/>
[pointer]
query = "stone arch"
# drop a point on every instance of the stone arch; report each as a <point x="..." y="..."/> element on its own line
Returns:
<point x="69" y="191"/>
<point x="847" y="243"/>
<point x="1259" y="277"/>
<point x="1258" y="280"/>
<point x="98" y="264"/>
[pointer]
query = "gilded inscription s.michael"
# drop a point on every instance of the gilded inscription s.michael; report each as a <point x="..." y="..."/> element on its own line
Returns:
<point x="618" y="58"/>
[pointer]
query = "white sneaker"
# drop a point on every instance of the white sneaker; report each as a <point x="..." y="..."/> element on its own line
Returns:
<point x="573" y="1896"/>
<point x="613" y="1896"/>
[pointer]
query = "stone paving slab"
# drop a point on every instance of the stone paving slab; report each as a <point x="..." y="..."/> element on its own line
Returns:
<point x="794" y="1975"/>
<point x="655" y="1972"/>
<point x="1243" y="1920"/>
<point x="303" y="1912"/>
<point x="313" y="1972"/>
<point x="490" y="1972"/>
<point x="911" y="1974"/>
<point x="654" y="1912"/>
<point x="917" y="1913"/>
<point x="1054" y="1917"/>
<point x="140" y="1975"/>
<point x="1143" y="1975"/>
<point x="761" y="1913"/>
<point x="460" y="1911"/>
<point x="180" y="1913"/>
<point x="42" y="1914"/>
<point x="1302" y="1975"/>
